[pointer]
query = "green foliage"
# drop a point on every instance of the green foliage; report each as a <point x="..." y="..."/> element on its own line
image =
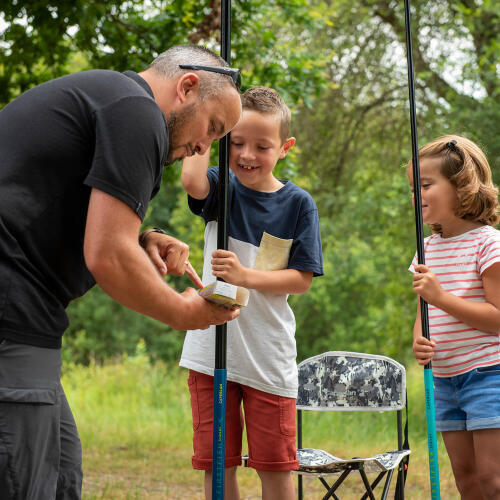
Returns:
<point x="100" y="328"/>
<point x="364" y="302"/>
<point x="270" y="39"/>
<point x="114" y="401"/>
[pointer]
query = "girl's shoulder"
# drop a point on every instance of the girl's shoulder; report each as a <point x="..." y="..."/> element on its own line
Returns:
<point x="487" y="235"/>
<point x="432" y="238"/>
<point x="488" y="248"/>
<point x="489" y="232"/>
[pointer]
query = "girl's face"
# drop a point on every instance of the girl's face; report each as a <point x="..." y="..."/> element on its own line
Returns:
<point x="439" y="196"/>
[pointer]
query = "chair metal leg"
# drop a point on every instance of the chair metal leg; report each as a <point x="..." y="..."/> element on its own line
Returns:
<point x="399" y="421"/>
<point x="299" y="446"/>
<point x="367" y="484"/>
<point x="374" y="484"/>
<point x="333" y="488"/>
<point x="387" y="484"/>
<point x="401" y="467"/>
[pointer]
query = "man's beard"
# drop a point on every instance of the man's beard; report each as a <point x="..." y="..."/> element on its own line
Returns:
<point x="177" y="123"/>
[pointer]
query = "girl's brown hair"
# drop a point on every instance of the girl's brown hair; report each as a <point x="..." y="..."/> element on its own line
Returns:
<point x="465" y="165"/>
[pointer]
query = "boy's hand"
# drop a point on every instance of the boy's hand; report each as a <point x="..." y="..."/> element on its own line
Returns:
<point x="170" y="256"/>
<point x="225" y="265"/>
<point x="423" y="350"/>
<point x="426" y="284"/>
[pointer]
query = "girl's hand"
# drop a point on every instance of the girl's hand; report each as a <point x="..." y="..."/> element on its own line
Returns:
<point x="426" y="284"/>
<point x="423" y="350"/>
<point x="226" y="265"/>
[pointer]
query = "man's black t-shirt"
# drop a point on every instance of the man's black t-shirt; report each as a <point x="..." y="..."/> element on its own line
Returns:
<point x="98" y="129"/>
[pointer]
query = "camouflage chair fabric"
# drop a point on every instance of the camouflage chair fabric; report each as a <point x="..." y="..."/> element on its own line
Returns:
<point x="349" y="381"/>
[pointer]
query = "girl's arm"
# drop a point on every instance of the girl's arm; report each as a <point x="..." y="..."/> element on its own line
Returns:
<point x="484" y="316"/>
<point x="194" y="175"/>
<point x="225" y="264"/>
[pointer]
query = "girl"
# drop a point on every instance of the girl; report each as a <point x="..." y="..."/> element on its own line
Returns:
<point x="461" y="283"/>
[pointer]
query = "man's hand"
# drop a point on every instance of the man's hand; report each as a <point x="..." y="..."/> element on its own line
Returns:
<point x="426" y="284"/>
<point x="201" y="313"/>
<point x="170" y="256"/>
<point x="423" y="350"/>
<point x="225" y="265"/>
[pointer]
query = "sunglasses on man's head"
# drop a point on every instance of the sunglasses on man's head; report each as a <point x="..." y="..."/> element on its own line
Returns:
<point x="234" y="73"/>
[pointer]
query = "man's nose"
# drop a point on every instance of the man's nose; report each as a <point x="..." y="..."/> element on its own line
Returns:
<point x="202" y="147"/>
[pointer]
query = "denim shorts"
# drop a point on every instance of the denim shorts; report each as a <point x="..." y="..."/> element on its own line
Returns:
<point x="469" y="401"/>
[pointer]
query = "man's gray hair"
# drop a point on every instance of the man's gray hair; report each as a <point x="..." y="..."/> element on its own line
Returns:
<point x="211" y="84"/>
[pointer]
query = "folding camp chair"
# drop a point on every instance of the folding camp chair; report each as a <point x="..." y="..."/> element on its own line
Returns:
<point x="350" y="381"/>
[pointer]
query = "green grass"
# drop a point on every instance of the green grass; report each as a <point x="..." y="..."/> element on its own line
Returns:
<point x="134" y="420"/>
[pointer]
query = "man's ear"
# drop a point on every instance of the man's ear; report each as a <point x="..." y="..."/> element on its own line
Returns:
<point x="188" y="87"/>
<point x="287" y="146"/>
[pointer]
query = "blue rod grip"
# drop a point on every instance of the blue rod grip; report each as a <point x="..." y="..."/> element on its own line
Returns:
<point x="430" y="413"/>
<point x="219" y="434"/>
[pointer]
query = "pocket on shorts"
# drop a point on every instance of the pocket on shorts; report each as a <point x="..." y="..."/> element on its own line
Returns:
<point x="287" y="416"/>
<point x="39" y="396"/>
<point x="195" y="408"/>
<point x="484" y="370"/>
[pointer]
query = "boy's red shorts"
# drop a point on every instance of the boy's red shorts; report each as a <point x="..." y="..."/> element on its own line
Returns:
<point x="269" y="419"/>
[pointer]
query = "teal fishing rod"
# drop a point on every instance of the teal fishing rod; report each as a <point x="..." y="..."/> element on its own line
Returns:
<point x="428" y="380"/>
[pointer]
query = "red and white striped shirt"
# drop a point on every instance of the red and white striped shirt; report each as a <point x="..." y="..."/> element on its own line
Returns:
<point x="458" y="263"/>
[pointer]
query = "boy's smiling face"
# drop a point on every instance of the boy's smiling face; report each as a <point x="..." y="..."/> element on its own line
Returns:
<point x="256" y="148"/>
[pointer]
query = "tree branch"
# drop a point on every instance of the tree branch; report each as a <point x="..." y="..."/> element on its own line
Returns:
<point x="209" y="25"/>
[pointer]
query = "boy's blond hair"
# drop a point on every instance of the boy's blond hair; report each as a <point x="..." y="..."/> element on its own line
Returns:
<point x="465" y="165"/>
<point x="266" y="100"/>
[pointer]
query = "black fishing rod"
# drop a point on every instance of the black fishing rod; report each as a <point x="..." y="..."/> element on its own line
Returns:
<point x="220" y="371"/>
<point x="428" y="381"/>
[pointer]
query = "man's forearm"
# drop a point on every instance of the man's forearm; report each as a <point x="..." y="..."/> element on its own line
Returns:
<point x="129" y="277"/>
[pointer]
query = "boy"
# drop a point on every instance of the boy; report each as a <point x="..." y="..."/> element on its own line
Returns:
<point x="274" y="250"/>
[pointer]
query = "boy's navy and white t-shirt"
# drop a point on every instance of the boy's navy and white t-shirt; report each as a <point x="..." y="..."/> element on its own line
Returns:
<point x="267" y="231"/>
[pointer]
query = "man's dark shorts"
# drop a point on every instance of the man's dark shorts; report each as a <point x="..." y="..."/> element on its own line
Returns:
<point x="40" y="451"/>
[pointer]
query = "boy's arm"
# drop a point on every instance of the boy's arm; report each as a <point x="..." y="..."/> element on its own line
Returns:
<point x="225" y="265"/>
<point x="194" y="175"/>
<point x="484" y="316"/>
<point x="280" y="282"/>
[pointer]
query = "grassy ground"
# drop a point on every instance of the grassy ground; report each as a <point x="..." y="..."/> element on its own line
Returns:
<point x="134" y="420"/>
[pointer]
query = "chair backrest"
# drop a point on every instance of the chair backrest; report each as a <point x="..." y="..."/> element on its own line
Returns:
<point x="351" y="381"/>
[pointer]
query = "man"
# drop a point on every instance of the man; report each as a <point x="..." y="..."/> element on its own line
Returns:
<point x="81" y="157"/>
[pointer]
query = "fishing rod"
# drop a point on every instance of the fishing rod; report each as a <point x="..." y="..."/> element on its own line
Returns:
<point x="220" y="370"/>
<point x="428" y="381"/>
